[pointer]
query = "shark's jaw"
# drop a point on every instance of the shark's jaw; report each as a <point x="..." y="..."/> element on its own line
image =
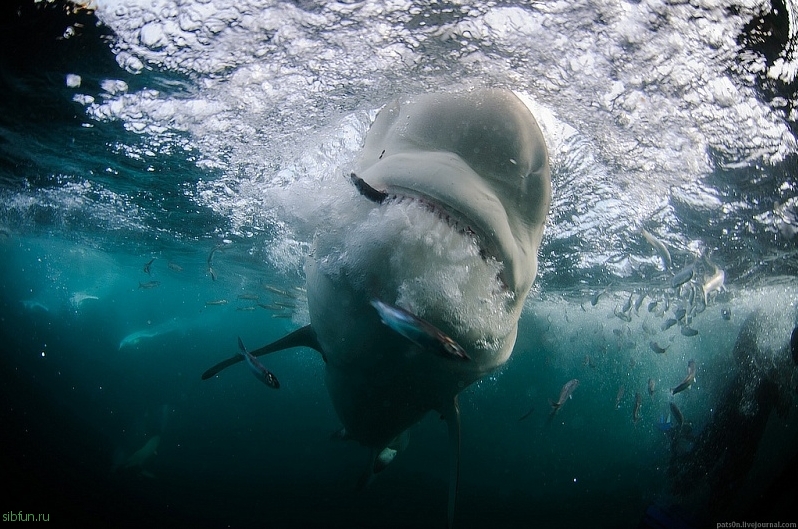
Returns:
<point x="464" y="200"/>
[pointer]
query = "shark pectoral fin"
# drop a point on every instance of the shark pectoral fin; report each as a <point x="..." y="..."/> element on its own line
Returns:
<point x="303" y="337"/>
<point x="451" y="414"/>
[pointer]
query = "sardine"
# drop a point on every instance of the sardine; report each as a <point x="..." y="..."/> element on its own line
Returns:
<point x="636" y="409"/>
<point x="595" y="299"/>
<point x="251" y="297"/>
<point x="639" y="302"/>
<point x="175" y="267"/>
<point x="725" y="314"/>
<point x="652" y="386"/>
<point x="619" y="395"/>
<point x="715" y="282"/>
<point x="418" y="331"/>
<point x="148" y="265"/>
<point x="565" y="394"/>
<point x="652" y="306"/>
<point x="682" y="277"/>
<point x="622" y="315"/>
<point x="627" y="306"/>
<point x="659" y="246"/>
<point x="149" y="284"/>
<point x="670" y="322"/>
<point x="656" y="348"/>
<point x="688" y="380"/>
<point x="216" y="302"/>
<point x="260" y="372"/>
<point x="688" y="331"/>
<point x="680" y="313"/>
<point x="278" y="291"/>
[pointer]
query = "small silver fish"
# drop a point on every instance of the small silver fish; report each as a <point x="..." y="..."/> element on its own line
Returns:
<point x="251" y="297"/>
<point x="175" y="267"/>
<point x="688" y="380"/>
<point x="565" y="394"/>
<point x="418" y="331"/>
<point x="651" y="387"/>
<point x="148" y="265"/>
<point x="260" y="372"/>
<point x="278" y="291"/>
<point x="149" y="284"/>
<point x="216" y="302"/>
<point x="619" y="395"/>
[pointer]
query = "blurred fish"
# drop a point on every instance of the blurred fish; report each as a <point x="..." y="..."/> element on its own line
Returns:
<point x="619" y="395"/>
<point x="595" y="299"/>
<point x="216" y="302"/>
<point x="651" y="387"/>
<point x="622" y="315"/>
<point x="527" y="414"/>
<point x="725" y="314"/>
<point x="676" y="413"/>
<point x="210" y="260"/>
<point x="175" y="267"/>
<point x="279" y="291"/>
<point x="714" y="282"/>
<point x="147" y="266"/>
<point x="639" y="301"/>
<point x="636" y="409"/>
<point x="565" y="394"/>
<point x="260" y="372"/>
<point x="679" y="313"/>
<point x="247" y="308"/>
<point x="627" y="306"/>
<point x="670" y="322"/>
<point x="688" y="380"/>
<point x="688" y="331"/>
<point x="682" y="277"/>
<point x="652" y="306"/>
<point x="659" y="246"/>
<point x="149" y="284"/>
<point x="656" y="348"/>
<point x="252" y="297"/>
<point x="418" y="331"/>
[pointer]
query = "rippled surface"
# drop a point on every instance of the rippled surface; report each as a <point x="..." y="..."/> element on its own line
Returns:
<point x="166" y="129"/>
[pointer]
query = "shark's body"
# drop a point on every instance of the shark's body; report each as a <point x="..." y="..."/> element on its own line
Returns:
<point x="477" y="163"/>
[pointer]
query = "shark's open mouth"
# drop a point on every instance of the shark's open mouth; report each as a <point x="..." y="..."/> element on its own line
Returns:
<point x="454" y="219"/>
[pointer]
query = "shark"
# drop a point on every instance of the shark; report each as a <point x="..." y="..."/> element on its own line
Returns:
<point x="452" y="192"/>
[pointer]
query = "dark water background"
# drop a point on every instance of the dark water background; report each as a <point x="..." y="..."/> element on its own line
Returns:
<point x="91" y="192"/>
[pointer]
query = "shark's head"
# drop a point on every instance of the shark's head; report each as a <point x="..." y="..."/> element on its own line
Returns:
<point x="476" y="158"/>
<point x="463" y="186"/>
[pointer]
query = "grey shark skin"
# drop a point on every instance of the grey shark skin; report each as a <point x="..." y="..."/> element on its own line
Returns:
<point x="476" y="157"/>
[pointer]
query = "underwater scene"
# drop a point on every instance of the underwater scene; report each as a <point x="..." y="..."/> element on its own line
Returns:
<point x="400" y="263"/>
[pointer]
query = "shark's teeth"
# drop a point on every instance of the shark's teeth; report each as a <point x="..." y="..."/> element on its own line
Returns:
<point x="440" y="212"/>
